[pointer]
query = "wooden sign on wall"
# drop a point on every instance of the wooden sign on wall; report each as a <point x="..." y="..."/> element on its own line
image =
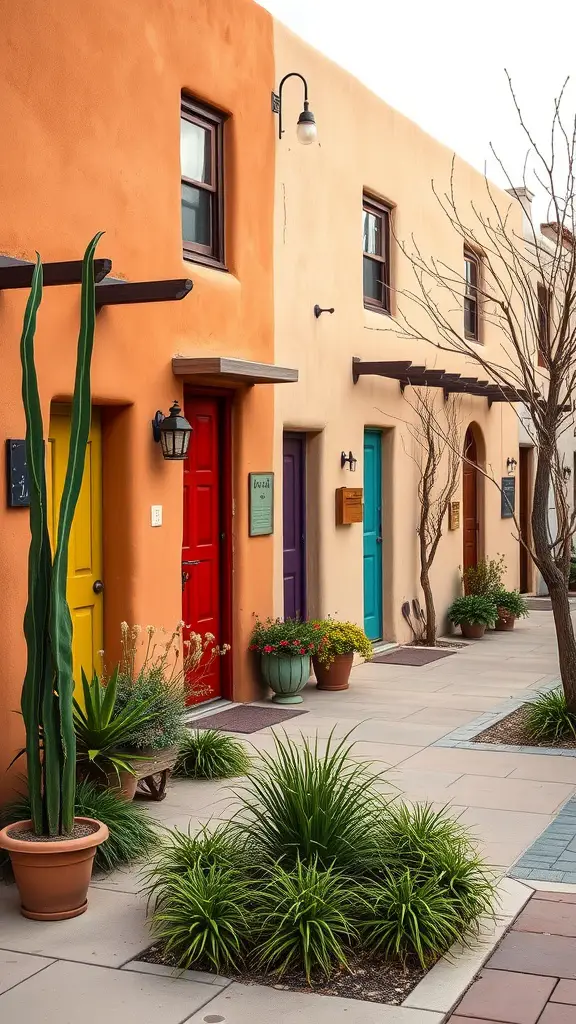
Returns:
<point x="349" y="508"/>
<point x="453" y="515"/>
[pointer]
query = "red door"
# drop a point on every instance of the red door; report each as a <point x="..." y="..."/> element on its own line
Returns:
<point x="201" y="545"/>
<point x="470" y="502"/>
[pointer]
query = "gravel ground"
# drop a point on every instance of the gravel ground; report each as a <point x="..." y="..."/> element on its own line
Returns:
<point x="512" y="730"/>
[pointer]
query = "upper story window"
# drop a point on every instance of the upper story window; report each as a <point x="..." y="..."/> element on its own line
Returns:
<point x="376" y="254"/>
<point x="471" y="279"/>
<point x="543" y="322"/>
<point x="202" y="179"/>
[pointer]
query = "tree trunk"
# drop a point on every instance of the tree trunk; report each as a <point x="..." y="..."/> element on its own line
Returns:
<point x="554" y="578"/>
<point x="430" y="634"/>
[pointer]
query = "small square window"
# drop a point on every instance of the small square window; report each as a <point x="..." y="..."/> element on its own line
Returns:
<point x="471" y="281"/>
<point x="376" y="254"/>
<point x="202" y="183"/>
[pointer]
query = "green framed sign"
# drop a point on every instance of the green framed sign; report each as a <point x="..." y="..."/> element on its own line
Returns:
<point x="260" y="504"/>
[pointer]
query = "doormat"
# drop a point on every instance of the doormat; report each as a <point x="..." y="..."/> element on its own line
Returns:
<point x="414" y="656"/>
<point x="244" y="718"/>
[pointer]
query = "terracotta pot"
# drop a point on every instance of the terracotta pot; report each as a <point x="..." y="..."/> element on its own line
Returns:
<point x="123" y="784"/>
<point x="334" y="676"/>
<point x="52" y="877"/>
<point x="505" y="621"/>
<point x="472" y="630"/>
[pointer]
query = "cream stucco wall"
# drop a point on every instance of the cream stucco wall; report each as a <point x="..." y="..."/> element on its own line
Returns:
<point x="365" y="145"/>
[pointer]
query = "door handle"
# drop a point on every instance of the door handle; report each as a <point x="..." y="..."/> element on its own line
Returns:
<point x="185" y="578"/>
<point x="196" y="561"/>
<point x="378" y="540"/>
<point x="97" y="586"/>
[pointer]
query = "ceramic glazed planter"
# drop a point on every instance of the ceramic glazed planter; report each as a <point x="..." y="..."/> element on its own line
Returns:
<point x="52" y="876"/>
<point x="473" y="630"/>
<point x="334" y="676"/>
<point x="505" y="621"/>
<point x="286" y="676"/>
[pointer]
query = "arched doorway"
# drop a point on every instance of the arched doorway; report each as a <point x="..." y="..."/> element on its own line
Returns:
<point x="470" y="501"/>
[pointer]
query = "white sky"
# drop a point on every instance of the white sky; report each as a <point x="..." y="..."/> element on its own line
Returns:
<point x="442" y="64"/>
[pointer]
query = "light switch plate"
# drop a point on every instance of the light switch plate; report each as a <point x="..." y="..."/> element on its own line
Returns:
<point x="156" y="515"/>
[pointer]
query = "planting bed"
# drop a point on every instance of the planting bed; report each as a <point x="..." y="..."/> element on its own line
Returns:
<point x="512" y="730"/>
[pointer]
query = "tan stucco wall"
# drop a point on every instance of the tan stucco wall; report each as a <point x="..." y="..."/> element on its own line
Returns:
<point x="365" y="145"/>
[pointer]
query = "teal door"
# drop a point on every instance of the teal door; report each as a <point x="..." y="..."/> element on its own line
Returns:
<point x="373" y="534"/>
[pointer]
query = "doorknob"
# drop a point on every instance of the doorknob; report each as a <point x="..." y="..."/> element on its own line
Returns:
<point x="196" y="561"/>
<point x="185" y="578"/>
<point x="97" y="586"/>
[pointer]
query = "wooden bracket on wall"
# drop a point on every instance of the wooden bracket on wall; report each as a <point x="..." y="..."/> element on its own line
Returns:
<point x="18" y="273"/>
<point x="121" y="293"/>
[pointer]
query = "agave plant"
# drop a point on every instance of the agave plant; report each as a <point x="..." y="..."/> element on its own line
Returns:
<point x="103" y="731"/>
<point x="48" y="683"/>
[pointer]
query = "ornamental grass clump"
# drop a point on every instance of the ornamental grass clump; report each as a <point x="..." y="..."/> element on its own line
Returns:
<point x="210" y="754"/>
<point x="548" y="718"/>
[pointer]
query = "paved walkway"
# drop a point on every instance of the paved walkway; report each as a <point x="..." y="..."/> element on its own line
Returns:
<point x="84" y="970"/>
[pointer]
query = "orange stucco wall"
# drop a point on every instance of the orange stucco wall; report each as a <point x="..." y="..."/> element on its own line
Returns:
<point x="90" y="126"/>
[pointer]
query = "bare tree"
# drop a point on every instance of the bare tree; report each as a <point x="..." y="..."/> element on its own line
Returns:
<point x="436" y="454"/>
<point x="527" y="289"/>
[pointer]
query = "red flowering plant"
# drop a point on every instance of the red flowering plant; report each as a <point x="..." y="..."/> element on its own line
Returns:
<point x="286" y="638"/>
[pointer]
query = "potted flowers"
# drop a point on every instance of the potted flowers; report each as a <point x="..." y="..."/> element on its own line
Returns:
<point x="473" y="613"/>
<point x="285" y="647"/>
<point x="510" y="605"/>
<point x="52" y="852"/>
<point x="333" y="662"/>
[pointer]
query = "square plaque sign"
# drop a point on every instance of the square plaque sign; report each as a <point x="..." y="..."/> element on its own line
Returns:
<point x="261" y="504"/>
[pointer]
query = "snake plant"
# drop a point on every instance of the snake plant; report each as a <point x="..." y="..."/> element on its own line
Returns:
<point x="48" y="683"/>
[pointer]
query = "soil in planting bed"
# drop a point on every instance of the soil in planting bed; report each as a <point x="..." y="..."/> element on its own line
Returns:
<point x="370" y="977"/>
<point x="512" y="730"/>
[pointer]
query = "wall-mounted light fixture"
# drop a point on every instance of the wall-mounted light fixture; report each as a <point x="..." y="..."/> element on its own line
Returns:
<point x="306" y="125"/>
<point x="511" y="465"/>
<point x="567" y="472"/>
<point x="173" y="432"/>
<point x="350" y="459"/>
<point x="318" y="310"/>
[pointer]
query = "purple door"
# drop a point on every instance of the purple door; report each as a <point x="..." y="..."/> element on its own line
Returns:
<point x="294" y="506"/>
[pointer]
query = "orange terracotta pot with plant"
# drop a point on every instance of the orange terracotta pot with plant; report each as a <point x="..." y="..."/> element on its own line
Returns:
<point x="510" y="606"/>
<point x="52" y="853"/>
<point x="335" y="657"/>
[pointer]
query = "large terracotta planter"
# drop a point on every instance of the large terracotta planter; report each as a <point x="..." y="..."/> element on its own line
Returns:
<point x="52" y="876"/>
<point x="286" y="676"/>
<point x="473" y="630"/>
<point x="505" y="621"/>
<point x="334" y="676"/>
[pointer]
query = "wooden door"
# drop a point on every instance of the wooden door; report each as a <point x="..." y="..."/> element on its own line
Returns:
<point x="470" y="502"/>
<point x="84" y="589"/>
<point x="202" y="529"/>
<point x="294" y="525"/>
<point x="524" y="515"/>
<point x="373" y="625"/>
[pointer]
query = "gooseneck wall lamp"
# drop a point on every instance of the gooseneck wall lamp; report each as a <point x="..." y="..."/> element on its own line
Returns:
<point x="306" y="125"/>
<point x="349" y="460"/>
<point x="511" y="465"/>
<point x="173" y="432"/>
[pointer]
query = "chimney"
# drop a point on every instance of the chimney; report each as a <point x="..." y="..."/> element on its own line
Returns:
<point x="524" y="197"/>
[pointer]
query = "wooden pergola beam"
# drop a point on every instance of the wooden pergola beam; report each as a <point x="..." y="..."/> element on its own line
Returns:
<point x="19" y="274"/>
<point x="123" y="293"/>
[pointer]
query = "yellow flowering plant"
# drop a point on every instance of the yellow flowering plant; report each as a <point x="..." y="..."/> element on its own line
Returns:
<point x="342" y="638"/>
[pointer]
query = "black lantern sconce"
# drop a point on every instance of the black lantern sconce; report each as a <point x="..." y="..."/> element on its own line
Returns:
<point x="173" y="432"/>
<point x="567" y="472"/>
<point x="344" y="459"/>
<point x="306" y="125"/>
<point x="511" y="465"/>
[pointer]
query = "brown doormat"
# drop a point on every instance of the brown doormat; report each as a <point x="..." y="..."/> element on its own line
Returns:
<point x="244" y="718"/>
<point x="414" y="656"/>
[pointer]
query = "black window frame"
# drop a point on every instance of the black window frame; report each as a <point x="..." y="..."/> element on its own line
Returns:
<point x="213" y="255"/>
<point x="471" y="293"/>
<point x="383" y="212"/>
<point x="544" y="297"/>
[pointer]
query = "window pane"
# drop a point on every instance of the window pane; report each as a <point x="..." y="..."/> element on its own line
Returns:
<point x="372" y="233"/>
<point x="196" y="210"/>
<point x="471" y="274"/>
<point x="373" y="284"/>
<point x="195" y="155"/>
<point x="470" y="324"/>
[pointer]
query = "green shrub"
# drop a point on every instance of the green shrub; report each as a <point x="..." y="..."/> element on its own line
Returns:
<point x="167" y="703"/>
<point x="301" y="805"/>
<point x="475" y="609"/>
<point x="210" y="754"/>
<point x="304" y="919"/>
<point x="486" y="577"/>
<point x="180" y="852"/>
<point x="342" y="638"/>
<point x="133" y="834"/>
<point x="548" y="717"/>
<point x="203" y="917"/>
<point x="512" y="602"/>
<point x="410" y="913"/>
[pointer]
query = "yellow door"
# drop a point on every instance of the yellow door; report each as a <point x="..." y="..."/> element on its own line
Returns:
<point x="85" y="552"/>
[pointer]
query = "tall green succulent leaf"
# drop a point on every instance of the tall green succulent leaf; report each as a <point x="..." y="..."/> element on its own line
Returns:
<point x="64" y="774"/>
<point x="39" y="664"/>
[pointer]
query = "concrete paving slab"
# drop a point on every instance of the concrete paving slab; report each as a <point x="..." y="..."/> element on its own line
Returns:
<point x="258" y="1004"/>
<point x="66" y="993"/>
<point x="16" y="967"/>
<point x="112" y="931"/>
<point x="510" y="794"/>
